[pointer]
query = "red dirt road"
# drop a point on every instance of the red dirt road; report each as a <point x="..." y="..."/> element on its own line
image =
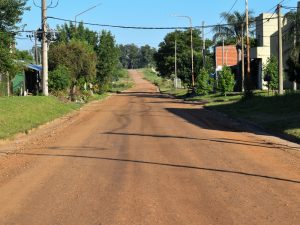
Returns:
<point x="141" y="158"/>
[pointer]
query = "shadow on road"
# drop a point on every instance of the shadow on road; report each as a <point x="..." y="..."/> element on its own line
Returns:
<point x="218" y="140"/>
<point x="168" y="165"/>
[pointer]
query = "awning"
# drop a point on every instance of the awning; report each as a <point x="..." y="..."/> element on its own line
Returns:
<point x="35" y="67"/>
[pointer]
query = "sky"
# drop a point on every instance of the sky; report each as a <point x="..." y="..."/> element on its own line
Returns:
<point x="152" y="13"/>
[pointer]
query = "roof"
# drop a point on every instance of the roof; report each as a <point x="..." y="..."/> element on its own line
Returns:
<point x="34" y="67"/>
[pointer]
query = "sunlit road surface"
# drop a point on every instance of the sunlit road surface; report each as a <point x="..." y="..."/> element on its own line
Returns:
<point x="142" y="158"/>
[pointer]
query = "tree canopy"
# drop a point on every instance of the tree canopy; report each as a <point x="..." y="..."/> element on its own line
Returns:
<point x="165" y="56"/>
<point x="11" y="12"/>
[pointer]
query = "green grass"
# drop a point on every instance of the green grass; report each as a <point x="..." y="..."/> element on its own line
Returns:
<point x="20" y="114"/>
<point x="279" y="114"/>
<point x="125" y="82"/>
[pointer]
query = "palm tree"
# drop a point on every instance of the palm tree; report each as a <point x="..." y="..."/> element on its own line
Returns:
<point x="232" y="31"/>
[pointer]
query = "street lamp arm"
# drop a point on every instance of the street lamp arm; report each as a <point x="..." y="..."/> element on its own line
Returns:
<point x="86" y="11"/>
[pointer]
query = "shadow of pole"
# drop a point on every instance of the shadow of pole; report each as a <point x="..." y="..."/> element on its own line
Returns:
<point x="168" y="165"/>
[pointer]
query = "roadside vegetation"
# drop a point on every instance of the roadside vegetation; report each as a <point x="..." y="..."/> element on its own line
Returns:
<point x="124" y="82"/>
<point x="279" y="114"/>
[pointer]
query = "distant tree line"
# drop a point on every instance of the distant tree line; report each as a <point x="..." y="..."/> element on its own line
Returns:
<point x="133" y="57"/>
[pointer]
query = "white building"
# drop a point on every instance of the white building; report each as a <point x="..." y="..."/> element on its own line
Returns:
<point x="267" y="45"/>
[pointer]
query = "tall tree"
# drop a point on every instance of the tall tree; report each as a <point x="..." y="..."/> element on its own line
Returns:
<point x="68" y="32"/>
<point x="146" y="56"/>
<point x="78" y="57"/>
<point x="293" y="39"/>
<point x="108" y="59"/>
<point x="11" y="12"/>
<point x="232" y="32"/>
<point x="165" y="56"/>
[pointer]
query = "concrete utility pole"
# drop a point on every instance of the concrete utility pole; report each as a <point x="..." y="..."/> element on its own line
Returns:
<point x="192" y="47"/>
<point x="44" y="48"/>
<point x="280" y="60"/>
<point x="203" y="47"/>
<point x="248" y="41"/>
<point x="192" y="53"/>
<point x="243" y="60"/>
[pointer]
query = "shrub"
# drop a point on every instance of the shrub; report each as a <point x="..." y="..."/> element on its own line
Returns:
<point x="204" y="84"/>
<point x="59" y="79"/>
<point x="226" y="81"/>
<point x="271" y="73"/>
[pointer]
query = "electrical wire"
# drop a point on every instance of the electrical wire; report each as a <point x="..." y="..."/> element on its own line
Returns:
<point x="152" y="28"/>
<point x="226" y="14"/>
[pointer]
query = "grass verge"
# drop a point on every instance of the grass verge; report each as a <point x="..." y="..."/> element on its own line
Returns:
<point x="20" y="114"/>
<point x="279" y="114"/>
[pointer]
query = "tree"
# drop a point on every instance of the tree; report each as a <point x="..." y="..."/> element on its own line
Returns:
<point x="11" y="12"/>
<point x="78" y="57"/>
<point x="67" y="32"/>
<point x="59" y="79"/>
<point x="232" y="32"/>
<point x="226" y="81"/>
<point x="23" y="55"/>
<point x="165" y="56"/>
<point x="146" y="56"/>
<point x="293" y="35"/>
<point x="204" y="83"/>
<point x="271" y="73"/>
<point x="108" y="60"/>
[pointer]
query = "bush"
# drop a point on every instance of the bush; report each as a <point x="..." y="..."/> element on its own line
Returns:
<point x="59" y="79"/>
<point x="271" y="73"/>
<point x="204" y="84"/>
<point x="226" y="81"/>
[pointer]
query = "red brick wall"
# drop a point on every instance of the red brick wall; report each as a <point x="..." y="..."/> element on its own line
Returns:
<point x="230" y="58"/>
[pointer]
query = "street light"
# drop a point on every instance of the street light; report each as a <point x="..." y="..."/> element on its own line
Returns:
<point x="192" y="48"/>
<point x="89" y="9"/>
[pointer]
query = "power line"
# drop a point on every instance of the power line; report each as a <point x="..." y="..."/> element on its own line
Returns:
<point x="226" y="14"/>
<point x="153" y="28"/>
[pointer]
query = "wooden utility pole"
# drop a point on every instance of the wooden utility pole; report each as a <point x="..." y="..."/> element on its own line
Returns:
<point x="248" y="42"/>
<point x="243" y="60"/>
<point x="203" y="47"/>
<point x="35" y="49"/>
<point x="223" y="51"/>
<point x="280" y="59"/>
<point x="176" y="79"/>
<point x="192" y="55"/>
<point x="44" y="48"/>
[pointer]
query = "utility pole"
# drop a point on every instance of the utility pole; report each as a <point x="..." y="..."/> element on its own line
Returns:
<point x="243" y="60"/>
<point x="203" y="47"/>
<point x="35" y="49"/>
<point x="223" y="52"/>
<point x="44" y="48"/>
<point x="192" y="48"/>
<point x="248" y="42"/>
<point x="192" y="52"/>
<point x="176" y="64"/>
<point x="280" y="60"/>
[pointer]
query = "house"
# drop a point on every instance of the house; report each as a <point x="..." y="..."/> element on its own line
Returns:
<point x="267" y="46"/>
<point x="28" y="82"/>
<point x="227" y="56"/>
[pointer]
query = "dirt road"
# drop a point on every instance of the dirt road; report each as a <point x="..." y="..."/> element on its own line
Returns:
<point x="141" y="158"/>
